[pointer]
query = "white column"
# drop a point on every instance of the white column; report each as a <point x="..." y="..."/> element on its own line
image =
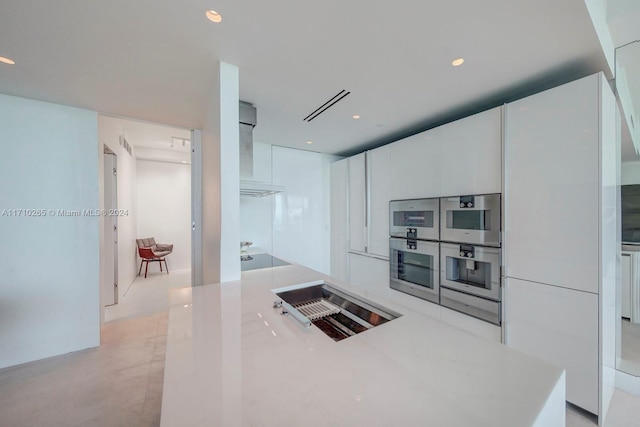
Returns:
<point x="220" y="180"/>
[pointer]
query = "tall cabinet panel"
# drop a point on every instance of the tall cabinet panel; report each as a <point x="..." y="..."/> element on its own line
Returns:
<point x="378" y="198"/>
<point x="551" y="181"/>
<point x="339" y="219"/>
<point x="357" y="203"/>
<point x="560" y="236"/>
<point x="471" y="154"/>
<point x="415" y="167"/>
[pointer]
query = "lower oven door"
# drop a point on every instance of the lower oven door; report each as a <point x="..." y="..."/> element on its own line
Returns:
<point x="471" y="269"/>
<point x="415" y="268"/>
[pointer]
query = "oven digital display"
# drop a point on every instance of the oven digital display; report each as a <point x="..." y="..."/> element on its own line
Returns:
<point x="413" y="218"/>
<point x="469" y="220"/>
<point x="416" y="268"/>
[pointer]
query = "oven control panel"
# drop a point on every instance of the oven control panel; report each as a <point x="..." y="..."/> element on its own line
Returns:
<point x="412" y="233"/>
<point x="412" y="244"/>
<point x="467" y="251"/>
<point x="467" y="201"/>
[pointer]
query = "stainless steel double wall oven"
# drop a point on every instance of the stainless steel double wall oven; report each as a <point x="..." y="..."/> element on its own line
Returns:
<point x="447" y="251"/>
<point x="414" y="227"/>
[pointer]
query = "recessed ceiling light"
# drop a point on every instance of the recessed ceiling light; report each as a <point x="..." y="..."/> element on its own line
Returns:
<point x="457" y="62"/>
<point x="309" y="142"/>
<point x="356" y="116"/>
<point x="213" y="16"/>
<point x="184" y="161"/>
<point x="7" y="60"/>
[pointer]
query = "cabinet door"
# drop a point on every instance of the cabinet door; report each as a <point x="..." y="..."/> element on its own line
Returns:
<point x="369" y="273"/>
<point x="552" y="186"/>
<point x="471" y="154"/>
<point x="357" y="203"/>
<point x="415" y="167"/>
<point x="560" y="326"/>
<point x="339" y="219"/>
<point x="378" y="198"/>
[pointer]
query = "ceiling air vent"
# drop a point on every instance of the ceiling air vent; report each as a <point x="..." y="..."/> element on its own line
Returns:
<point x="324" y="107"/>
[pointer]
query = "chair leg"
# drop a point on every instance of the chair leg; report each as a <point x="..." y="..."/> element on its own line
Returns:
<point x="146" y="269"/>
<point x="140" y="270"/>
<point x="165" y="265"/>
<point x="160" y="266"/>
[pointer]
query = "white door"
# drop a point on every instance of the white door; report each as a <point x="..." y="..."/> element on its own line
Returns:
<point x="378" y="201"/>
<point x="339" y="206"/>
<point x="357" y="204"/>
<point x="110" y="285"/>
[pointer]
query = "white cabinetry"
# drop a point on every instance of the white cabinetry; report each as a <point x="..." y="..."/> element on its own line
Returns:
<point x="458" y="158"/>
<point x="369" y="273"/>
<point x="357" y="203"/>
<point x="560" y="241"/>
<point x="359" y="210"/>
<point x="552" y="206"/>
<point x="471" y="154"/>
<point x="561" y="326"/>
<point x="369" y="202"/>
<point x="415" y="168"/>
<point x="339" y="219"/>
<point x="378" y="201"/>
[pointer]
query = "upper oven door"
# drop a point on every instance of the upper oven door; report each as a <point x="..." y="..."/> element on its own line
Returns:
<point x="471" y="219"/>
<point x="415" y="219"/>
<point x="415" y="268"/>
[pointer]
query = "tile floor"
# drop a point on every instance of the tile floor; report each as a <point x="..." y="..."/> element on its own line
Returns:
<point x="630" y="360"/>
<point x="116" y="384"/>
<point x="120" y="383"/>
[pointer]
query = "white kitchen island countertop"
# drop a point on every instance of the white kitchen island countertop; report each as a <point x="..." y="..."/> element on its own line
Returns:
<point x="234" y="360"/>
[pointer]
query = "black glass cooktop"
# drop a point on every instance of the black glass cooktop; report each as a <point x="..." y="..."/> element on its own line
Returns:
<point x="256" y="261"/>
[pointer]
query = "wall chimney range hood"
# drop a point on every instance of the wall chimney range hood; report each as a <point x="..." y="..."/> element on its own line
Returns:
<point x="249" y="187"/>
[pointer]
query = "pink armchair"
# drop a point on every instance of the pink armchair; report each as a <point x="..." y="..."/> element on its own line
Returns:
<point x="150" y="251"/>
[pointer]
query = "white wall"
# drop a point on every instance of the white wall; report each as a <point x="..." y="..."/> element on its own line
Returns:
<point x="49" y="265"/>
<point x="164" y="208"/>
<point x="109" y="130"/>
<point x="301" y="213"/>
<point x="256" y="216"/>
<point x="293" y="224"/>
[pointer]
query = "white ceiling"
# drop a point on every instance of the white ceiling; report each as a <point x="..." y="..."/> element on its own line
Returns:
<point x="154" y="60"/>
<point x="150" y="141"/>
<point x="150" y="135"/>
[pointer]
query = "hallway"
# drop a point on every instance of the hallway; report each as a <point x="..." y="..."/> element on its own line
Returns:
<point x="116" y="384"/>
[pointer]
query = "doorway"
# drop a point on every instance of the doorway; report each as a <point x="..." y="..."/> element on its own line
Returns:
<point x="152" y="164"/>
<point x="110" y="283"/>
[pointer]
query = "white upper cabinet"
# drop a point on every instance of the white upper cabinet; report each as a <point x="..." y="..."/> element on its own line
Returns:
<point x="415" y="167"/>
<point x="460" y="158"/>
<point x="357" y="203"/>
<point x="378" y="200"/>
<point x="339" y="219"/>
<point x="552" y="186"/>
<point x="471" y="154"/>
